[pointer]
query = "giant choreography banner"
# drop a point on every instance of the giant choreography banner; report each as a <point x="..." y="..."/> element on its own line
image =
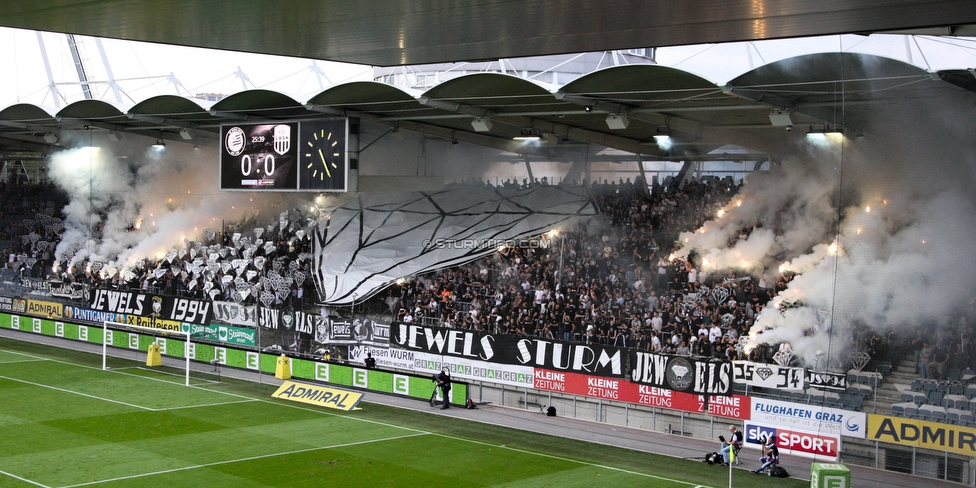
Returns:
<point x="533" y="352"/>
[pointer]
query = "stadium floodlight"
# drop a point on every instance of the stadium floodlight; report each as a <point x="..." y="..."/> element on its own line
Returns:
<point x="131" y="336"/>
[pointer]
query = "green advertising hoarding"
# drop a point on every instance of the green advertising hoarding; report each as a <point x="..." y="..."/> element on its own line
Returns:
<point x="402" y="384"/>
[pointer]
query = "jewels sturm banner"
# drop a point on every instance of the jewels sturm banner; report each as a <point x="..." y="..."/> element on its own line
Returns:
<point x="512" y="350"/>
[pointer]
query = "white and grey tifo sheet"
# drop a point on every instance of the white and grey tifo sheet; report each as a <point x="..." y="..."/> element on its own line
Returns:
<point x="368" y="242"/>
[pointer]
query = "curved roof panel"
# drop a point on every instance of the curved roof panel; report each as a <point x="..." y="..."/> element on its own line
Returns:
<point x="25" y="112"/>
<point x="169" y="105"/>
<point x="265" y="103"/>
<point x="365" y="96"/>
<point x="640" y="81"/>
<point x="90" y="109"/>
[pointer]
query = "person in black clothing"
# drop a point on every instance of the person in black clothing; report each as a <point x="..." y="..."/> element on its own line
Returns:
<point x="770" y="455"/>
<point x="734" y="442"/>
<point x="444" y="383"/>
<point x="369" y="361"/>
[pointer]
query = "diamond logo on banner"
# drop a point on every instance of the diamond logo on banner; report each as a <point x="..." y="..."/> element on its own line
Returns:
<point x="267" y="298"/>
<point x="259" y="262"/>
<point x="258" y="232"/>
<point x="213" y="293"/>
<point x="225" y="279"/>
<point x="251" y="274"/>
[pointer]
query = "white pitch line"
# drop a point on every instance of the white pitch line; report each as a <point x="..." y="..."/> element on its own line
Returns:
<point x="77" y="393"/>
<point x="23" y="361"/>
<point x="204" y="405"/>
<point x="239" y="460"/>
<point x="569" y="460"/>
<point x="25" y="480"/>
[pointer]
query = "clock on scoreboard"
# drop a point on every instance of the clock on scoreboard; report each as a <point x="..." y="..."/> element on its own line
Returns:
<point x="323" y="159"/>
<point x="259" y="156"/>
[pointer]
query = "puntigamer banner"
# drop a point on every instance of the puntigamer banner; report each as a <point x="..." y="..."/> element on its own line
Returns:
<point x="682" y="373"/>
<point x="511" y="350"/>
<point x="153" y="307"/>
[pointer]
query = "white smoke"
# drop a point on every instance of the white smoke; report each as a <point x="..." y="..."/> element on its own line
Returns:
<point x="879" y="229"/>
<point x="123" y="209"/>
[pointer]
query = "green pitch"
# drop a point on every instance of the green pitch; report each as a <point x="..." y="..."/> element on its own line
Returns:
<point x="66" y="423"/>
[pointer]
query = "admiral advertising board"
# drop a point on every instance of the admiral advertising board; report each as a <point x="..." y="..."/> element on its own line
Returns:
<point x="682" y="373"/>
<point x="510" y="350"/>
<point x="811" y="418"/>
<point x="789" y="441"/>
<point x="151" y="307"/>
<point x="769" y="375"/>
<point x="922" y="433"/>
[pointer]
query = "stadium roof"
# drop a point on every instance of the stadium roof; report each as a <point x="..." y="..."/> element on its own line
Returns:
<point x="654" y="99"/>
<point x="400" y="32"/>
<point x="641" y="100"/>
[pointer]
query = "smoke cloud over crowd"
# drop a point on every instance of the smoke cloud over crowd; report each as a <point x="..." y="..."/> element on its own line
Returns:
<point x="878" y="229"/>
<point x="125" y="207"/>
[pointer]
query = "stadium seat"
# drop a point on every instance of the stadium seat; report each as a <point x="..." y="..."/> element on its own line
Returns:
<point x="898" y="409"/>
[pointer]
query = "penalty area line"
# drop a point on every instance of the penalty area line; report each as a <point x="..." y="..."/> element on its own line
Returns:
<point x="39" y="385"/>
<point x="25" y="480"/>
<point x="240" y="460"/>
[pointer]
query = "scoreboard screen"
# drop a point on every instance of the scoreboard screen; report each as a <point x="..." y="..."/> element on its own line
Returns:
<point x="259" y="156"/>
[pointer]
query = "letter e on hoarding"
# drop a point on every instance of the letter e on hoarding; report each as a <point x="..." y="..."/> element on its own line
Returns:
<point x="360" y="378"/>
<point x="401" y="384"/>
<point x="59" y="329"/>
<point x="82" y="333"/>
<point x="252" y="360"/>
<point x="321" y="372"/>
<point x="220" y="354"/>
<point x="15" y="322"/>
<point x="162" y="345"/>
<point x="36" y="326"/>
<point x="834" y="482"/>
<point x="133" y="341"/>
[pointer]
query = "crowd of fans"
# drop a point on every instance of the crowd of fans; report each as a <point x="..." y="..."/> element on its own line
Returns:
<point x="610" y="280"/>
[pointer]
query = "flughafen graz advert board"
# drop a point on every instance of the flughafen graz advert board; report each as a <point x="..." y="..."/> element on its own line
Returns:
<point x="285" y="156"/>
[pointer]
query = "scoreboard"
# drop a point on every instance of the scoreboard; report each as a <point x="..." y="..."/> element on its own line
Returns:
<point x="285" y="156"/>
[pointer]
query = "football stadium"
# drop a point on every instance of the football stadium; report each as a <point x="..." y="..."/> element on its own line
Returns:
<point x="488" y="244"/>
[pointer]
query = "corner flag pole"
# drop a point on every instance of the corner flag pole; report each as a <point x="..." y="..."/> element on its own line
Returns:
<point x="731" y="462"/>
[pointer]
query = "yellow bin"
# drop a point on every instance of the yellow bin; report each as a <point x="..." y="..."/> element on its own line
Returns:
<point x="283" y="368"/>
<point x="152" y="356"/>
